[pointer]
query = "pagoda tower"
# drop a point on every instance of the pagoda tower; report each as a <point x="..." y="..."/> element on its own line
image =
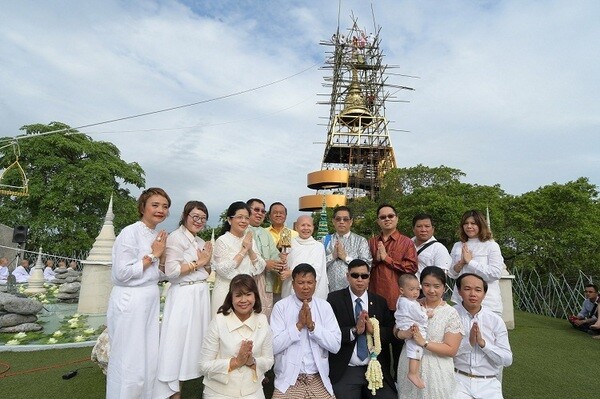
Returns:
<point x="358" y="151"/>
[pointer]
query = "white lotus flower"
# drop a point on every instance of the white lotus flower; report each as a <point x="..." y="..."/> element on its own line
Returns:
<point x="13" y="342"/>
<point x="57" y="333"/>
<point x="52" y="340"/>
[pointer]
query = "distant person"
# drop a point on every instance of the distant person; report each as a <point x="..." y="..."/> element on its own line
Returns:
<point x="430" y="252"/>
<point x="22" y="271"/>
<point x="49" y="274"/>
<point x="186" y="312"/>
<point x="596" y="326"/>
<point x="409" y="312"/>
<point x="305" y="249"/>
<point x="305" y="331"/>
<point x="478" y="253"/>
<point x="238" y="348"/>
<point x="62" y="264"/>
<point x="268" y="250"/>
<point x="342" y="247"/>
<point x="134" y="304"/>
<point x="4" y="272"/>
<point x="485" y="349"/>
<point x="354" y="306"/>
<point x="236" y="252"/>
<point x="73" y="265"/>
<point x="587" y="316"/>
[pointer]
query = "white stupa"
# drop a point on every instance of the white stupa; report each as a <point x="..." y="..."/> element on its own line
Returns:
<point x="36" y="281"/>
<point x="95" y="281"/>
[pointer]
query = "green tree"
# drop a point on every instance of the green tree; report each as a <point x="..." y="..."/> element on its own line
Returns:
<point x="555" y="228"/>
<point x="71" y="178"/>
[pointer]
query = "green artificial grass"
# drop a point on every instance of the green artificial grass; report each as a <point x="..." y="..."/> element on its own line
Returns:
<point x="551" y="360"/>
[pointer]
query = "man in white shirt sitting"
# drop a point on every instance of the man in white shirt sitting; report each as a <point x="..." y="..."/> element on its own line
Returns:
<point x="485" y="349"/>
<point x="305" y="330"/>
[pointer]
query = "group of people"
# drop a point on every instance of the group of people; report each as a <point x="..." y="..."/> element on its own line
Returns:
<point x="318" y="312"/>
<point x="22" y="273"/>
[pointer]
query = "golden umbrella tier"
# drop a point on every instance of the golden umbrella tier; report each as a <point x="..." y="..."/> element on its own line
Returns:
<point x="311" y="203"/>
<point x="328" y="178"/>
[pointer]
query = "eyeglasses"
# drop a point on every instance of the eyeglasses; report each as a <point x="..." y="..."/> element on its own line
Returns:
<point x="341" y="219"/>
<point x="262" y="211"/>
<point x="240" y="217"/>
<point x="364" y="276"/>
<point x="388" y="216"/>
<point x="198" y="218"/>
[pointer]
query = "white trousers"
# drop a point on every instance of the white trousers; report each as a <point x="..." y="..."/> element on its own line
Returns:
<point x="477" y="388"/>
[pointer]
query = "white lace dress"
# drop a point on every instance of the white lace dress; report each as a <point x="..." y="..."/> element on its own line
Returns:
<point x="437" y="372"/>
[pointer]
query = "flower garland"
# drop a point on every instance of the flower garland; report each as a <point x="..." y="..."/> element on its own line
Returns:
<point x="374" y="374"/>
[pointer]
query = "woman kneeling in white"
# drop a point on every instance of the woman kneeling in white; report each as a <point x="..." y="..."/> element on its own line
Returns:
<point x="238" y="348"/>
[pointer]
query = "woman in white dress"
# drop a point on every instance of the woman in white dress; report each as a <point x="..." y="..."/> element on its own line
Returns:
<point x="235" y="252"/>
<point x="238" y="348"/>
<point x="444" y="334"/>
<point x="134" y="303"/>
<point x="187" y="309"/>
<point x="478" y="253"/>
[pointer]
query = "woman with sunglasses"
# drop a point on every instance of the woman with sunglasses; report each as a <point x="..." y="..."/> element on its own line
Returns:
<point x="235" y="253"/>
<point x="187" y="309"/>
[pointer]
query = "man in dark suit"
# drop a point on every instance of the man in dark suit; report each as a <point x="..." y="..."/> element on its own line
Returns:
<point x="353" y="306"/>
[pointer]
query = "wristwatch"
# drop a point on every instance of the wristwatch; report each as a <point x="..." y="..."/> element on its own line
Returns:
<point x="153" y="257"/>
<point x="425" y="344"/>
<point x="353" y="331"/>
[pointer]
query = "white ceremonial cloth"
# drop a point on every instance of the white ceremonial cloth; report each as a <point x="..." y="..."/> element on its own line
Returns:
<point x="49" y="274"/>
<point x="312" y="252"/>
<point x="226" y="248"/>
<point x="132" y="316"/>
<point x="21" y="275"/>
<point x="186" y="315"/>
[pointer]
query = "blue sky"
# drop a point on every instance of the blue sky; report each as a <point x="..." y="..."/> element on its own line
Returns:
<point x="507" y="90"/>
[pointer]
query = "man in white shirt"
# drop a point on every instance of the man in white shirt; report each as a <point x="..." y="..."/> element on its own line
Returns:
<point x="305" y="330"/>
<point x="485" y="349"/>
<point x="430" y="252"/>
<point x="342" y="247"/>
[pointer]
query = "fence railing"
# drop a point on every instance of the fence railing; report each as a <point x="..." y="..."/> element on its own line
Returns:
<point x="548" y="294"/>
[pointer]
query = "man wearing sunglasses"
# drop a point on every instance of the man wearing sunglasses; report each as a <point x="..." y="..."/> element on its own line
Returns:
<point x="393" y="254"/>
<point x="268" y="250"/>
<point x="348" y="366"/>
<point x="342" y="247"/>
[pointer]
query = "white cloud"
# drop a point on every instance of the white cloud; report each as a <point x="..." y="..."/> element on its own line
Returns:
<point x="507" y="90"/>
